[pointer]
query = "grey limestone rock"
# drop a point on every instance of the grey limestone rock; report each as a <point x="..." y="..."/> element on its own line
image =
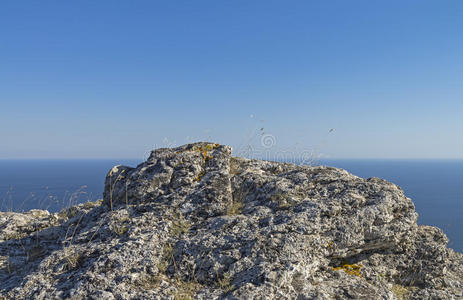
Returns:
<point x="193" y="222"/>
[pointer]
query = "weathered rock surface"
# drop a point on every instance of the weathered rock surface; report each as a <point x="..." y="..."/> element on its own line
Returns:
<point x="196" y="223"/>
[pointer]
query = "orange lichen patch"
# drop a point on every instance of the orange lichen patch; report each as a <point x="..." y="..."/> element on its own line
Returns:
<point x="353" y="269"/>
<point x="204" y="150"/>
<point x="207" y="147"/>
<point x="210" y="147"/>
<point x="206" y="155"/>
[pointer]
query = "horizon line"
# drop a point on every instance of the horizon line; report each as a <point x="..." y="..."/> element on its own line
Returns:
<point x="287" y="159"/>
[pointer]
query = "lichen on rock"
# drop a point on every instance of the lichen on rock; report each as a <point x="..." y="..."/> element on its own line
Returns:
<point x="193" y="222"/>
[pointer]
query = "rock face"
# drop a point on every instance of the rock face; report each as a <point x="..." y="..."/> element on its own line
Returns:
<point x="193" y="222"/>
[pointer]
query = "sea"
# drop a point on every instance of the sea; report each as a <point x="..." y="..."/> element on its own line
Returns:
<point x="435" y="186"/>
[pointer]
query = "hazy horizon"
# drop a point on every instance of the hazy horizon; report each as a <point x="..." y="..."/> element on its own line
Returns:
<point x="263" y="158"/>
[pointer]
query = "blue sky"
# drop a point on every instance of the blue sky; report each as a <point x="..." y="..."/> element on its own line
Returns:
<point x="113" y="79"/>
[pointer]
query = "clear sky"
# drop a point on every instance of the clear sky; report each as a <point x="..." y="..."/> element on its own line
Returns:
<point x="112" y="79"/>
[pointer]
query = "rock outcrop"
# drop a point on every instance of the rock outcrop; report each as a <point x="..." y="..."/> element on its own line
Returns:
<point x="193" y="222"/>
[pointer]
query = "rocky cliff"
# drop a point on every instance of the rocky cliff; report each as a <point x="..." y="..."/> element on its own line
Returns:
<point x="193" y="222"/>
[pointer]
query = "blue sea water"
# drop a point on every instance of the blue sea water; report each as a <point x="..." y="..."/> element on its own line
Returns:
<point x="435" y="186"/>
<point x="52" y="184"/>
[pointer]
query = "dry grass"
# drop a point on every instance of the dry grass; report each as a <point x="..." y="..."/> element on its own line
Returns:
<point x="286" y="200"/>
<point x="149" y="281"/>
<point x="8" y="266"/>
<point x="73" y="259"/>
<point x="111" y="187"/>
<point x="166" y="257"/>
<point x="179" y="226"/>
<point x="120" y="230"/>
<point x="401" y="292"/>
<point x="15" y="236"/>
<point x="235" y="208"/>
<point x="234" y="166"/>
<point x="90" y="204"/>
<point x="283" y="200"/>
<point x="34" y="253"/>
<point x="224" y="282"/>
<point x="186" y="290"/>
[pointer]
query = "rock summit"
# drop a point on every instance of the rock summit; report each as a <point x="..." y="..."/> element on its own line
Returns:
<point x="193" y="222"/>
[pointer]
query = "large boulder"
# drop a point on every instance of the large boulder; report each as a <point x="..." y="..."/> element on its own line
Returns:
<point x="195" y="222"/>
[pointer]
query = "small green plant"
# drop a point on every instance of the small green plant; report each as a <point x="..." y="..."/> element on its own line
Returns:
<point x="381" y="277"/>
